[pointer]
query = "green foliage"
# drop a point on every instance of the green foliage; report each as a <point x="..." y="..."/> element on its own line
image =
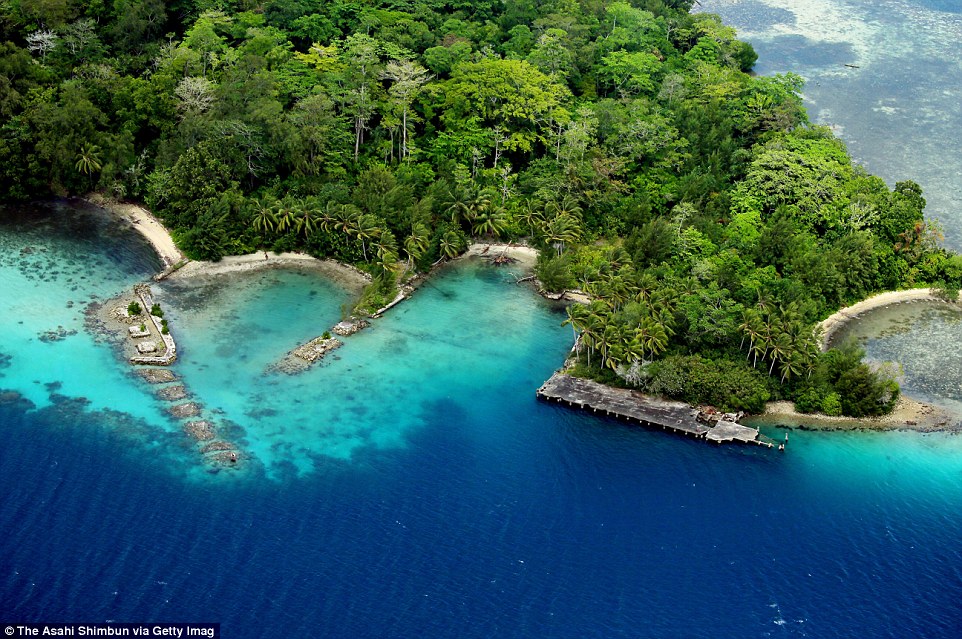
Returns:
<point x="553" y="272"/>
<point x="376" y="295"/>
<point x="727" y="384"/>
<point x="841" y="384"/>
<point x="156" y="311"/>
<point x="709" y="221"/>
<point x="133" y="309"/>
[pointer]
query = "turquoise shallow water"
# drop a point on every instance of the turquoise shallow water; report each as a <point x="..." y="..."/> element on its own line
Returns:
<point x="413" y="486"/>
<point x="468" y="331"/>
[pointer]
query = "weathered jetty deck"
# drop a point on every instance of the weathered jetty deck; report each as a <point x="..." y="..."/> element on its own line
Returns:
<point x="677" y="417"/>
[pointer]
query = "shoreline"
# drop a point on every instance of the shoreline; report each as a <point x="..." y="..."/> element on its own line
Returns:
<point x="343" y="274"/>
<point x="908" y="415"/>
<point x="145" y="223"/>
<point x="838" y="320"/>
<point x="157" y="235"/>
<point x="525" y="255"/>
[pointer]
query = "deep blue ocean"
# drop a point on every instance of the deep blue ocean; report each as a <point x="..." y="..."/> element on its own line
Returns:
<point x="413" y="486"/>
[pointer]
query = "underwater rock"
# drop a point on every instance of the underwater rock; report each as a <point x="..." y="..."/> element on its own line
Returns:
<point x="57" y="334"/>
<point x="202" y="430"/>
<point x="217" y="445"/>
<point x="224" y="458"/>
<point x="172" y="393"/>
<point x="16" y="400"/>
<point x="156" y="375"/>
<point x="190" y="409"/>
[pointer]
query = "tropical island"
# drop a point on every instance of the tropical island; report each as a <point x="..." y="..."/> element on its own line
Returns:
<point x="707" y="223"/>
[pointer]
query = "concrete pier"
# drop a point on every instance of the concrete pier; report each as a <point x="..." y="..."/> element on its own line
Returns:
<point x="639" y="408"/>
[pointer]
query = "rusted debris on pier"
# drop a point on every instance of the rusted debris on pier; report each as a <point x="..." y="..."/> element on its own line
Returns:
<point x="643" y="409"/>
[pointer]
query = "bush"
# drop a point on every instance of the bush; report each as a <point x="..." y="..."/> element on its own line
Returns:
<point x="553" y="273"/>
<point x="860" y="391"/>
<point x="133" y="309"/>
<point x="832" y="405"/>
<point x="863" y="392"/>
<point x="726" y="384"/>
<point x="326" y="335"/>
<point x="376" y="295"/>
<point x="156" y="311"/>
<point x="810" y="401"/>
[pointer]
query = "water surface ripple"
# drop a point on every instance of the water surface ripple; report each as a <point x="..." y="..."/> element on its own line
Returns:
<point x="414" y="487"/>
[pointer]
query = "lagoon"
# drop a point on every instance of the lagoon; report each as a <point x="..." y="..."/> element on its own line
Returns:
<point x="414" y="486"/>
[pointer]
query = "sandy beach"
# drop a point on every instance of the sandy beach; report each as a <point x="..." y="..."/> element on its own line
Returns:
<point x="343" y="274"/>
<point x="527" y="256"/>
<point x="909" y="414"/>
<point x="146" y="224"/>
<point x="831" y="325"/>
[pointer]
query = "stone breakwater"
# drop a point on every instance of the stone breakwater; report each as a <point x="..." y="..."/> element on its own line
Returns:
<point x="113" y="322"/>
<point x="302" y="357"/>
<point x="170" y="347"/>
<point x="349" y="327"/>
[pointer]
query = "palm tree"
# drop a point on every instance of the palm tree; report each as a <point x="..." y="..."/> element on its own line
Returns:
<point x="646" y="284"/>
<point x="780" y="350"/>
<point x="265" y="218"/>
<point x="307" y="222"/>
<point x="488" y="222"/>
<point x="571" y="312"/>
<point x="88" y="159"/>
<point x="657" y="340"/>
<point x="417" y="242"/>
<point x="616" y="355"/>
<point x="616" y="257"/>
<point x="328" y="217"/>
<point x="346" y="218"/>
<point x="286" y="215"/>
<point x="642" y="336"/>
<point x="365" y="229"/>
<point x="617" y="290"/>
<point x="561" y="229"/>
<point x="749" y="329"/>
<point x="450" y="242"/>
<point x="593" y="327"/>
<point x="567" y="206"/>
<point x="794" y="364"/>
<point x="610" y="337"/>
<point x="532" y="214"/>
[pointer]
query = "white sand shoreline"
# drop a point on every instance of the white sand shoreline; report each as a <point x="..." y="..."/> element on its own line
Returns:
<point x="526" y="255"/>
<point x="832" y="324"/>
<point x="909" y="414"/>
<point x="342" y="273"/>
<point x="144" y="222"/>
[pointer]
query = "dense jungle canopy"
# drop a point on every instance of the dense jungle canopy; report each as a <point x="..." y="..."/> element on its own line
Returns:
<point x="710" y="221"/>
